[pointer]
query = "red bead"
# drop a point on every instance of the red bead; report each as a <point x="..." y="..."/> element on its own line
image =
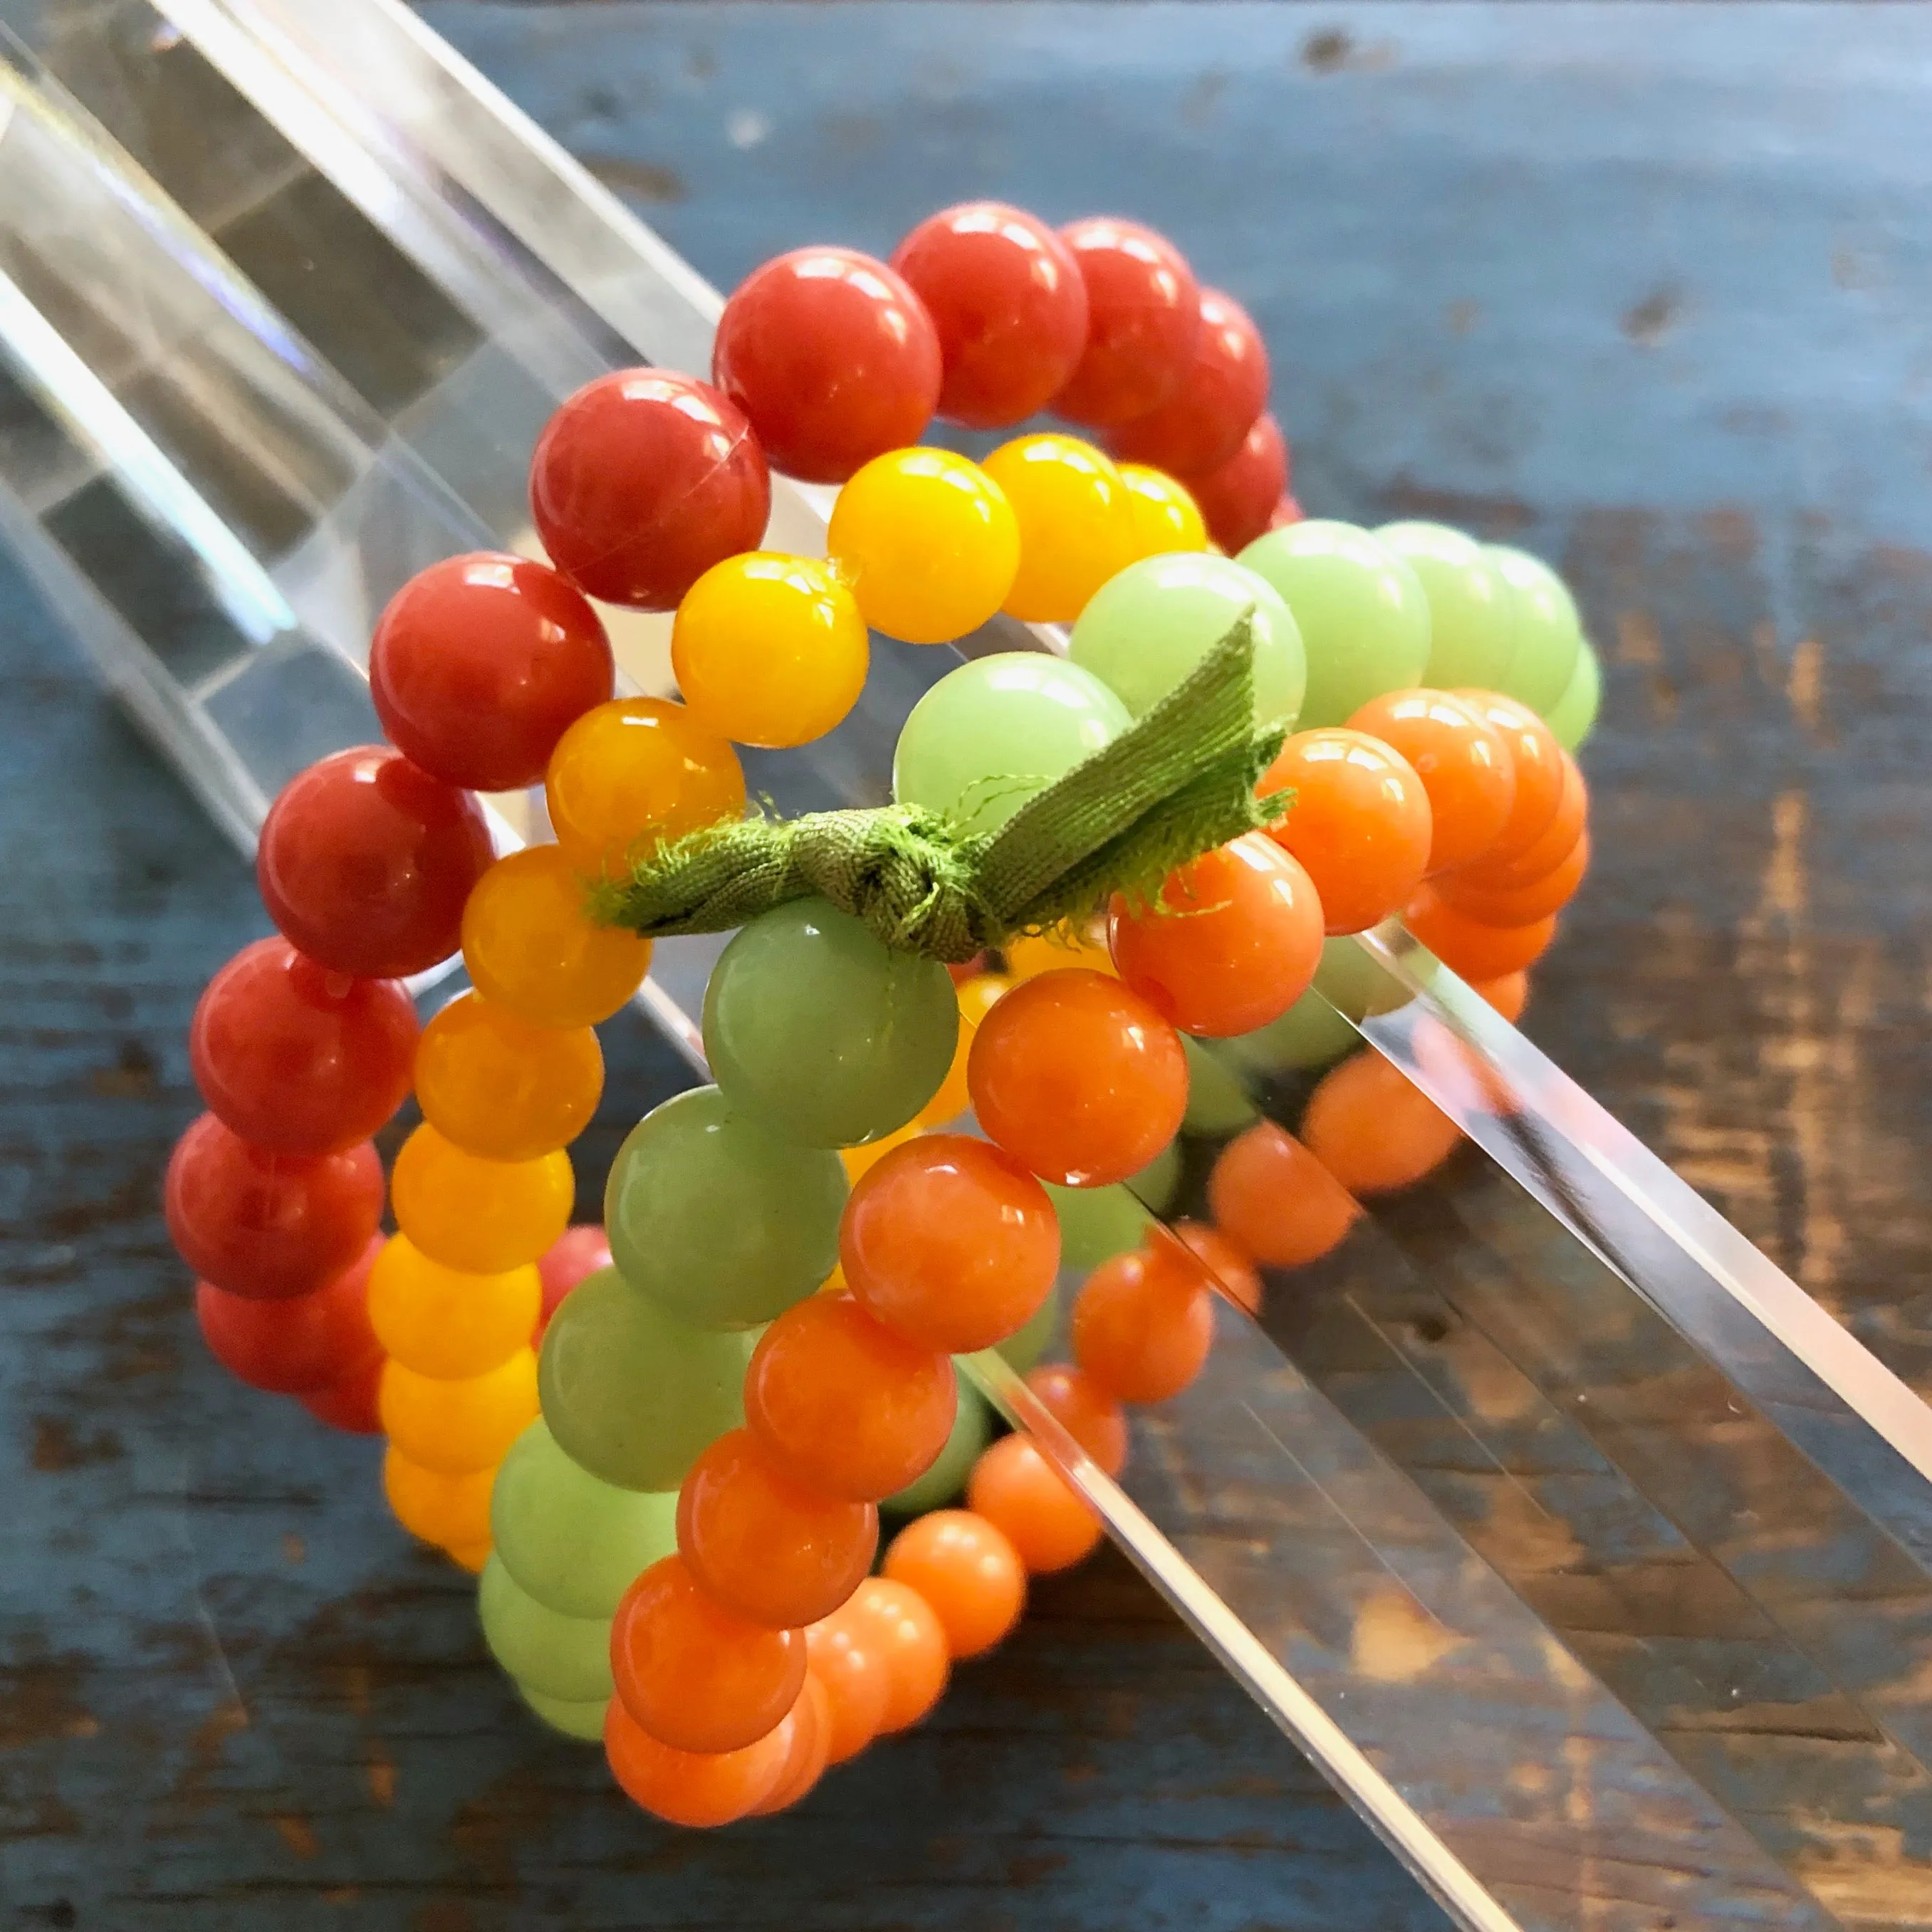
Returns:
<point x="576" y="1254"/>
<point x="1240" y="499"/>
<point x="1286" y="511"/>
<point x="642" y="480"/>
<point x="366" y="860"/>
<point x="1219" y="400"/>
<point x="350" y="1404"/>
<point x="296" y="1058"/>
<point x="1143" y="310"/>
<point x="1009" y="302"/>
<point x="833" y="357"/>
<point x="298" y="1346"/>
<point x="479" y="665"/>
<point x="268" y="1224"/>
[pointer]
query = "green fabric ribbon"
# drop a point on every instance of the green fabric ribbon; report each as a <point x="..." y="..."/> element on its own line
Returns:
<point x="1178" y="783"/>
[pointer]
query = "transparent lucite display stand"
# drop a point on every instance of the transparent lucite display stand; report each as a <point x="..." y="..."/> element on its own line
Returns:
<point x="1588" y="1557"/>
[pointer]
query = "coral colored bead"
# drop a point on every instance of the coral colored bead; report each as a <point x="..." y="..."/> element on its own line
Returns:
<point x="642" y="480"/>
<point x="442" y="1323"/>
<point x="576" y="1254"/>
<point x="833" y="359"/>
<point x="1542" y="858"/>
<point x="1471" y="948"/>
<point x="365" y="862"/>
<point x="857" y="1679"/>
<point x="1047" y="1521"/>
<point x="268" y="1226"/>
<point x="695" y="1674"/>
<point x="454" y="1427"/>
<point x="765" y="1544"/>
<point x="296" y="1346"/>
<point x="1229" y="1267"/>
<point x="482" y="1216"/>
<point x="1143" y="1323"/>
<point x="1143" y="314"/>
<point x="950" y="1244"/>
<point x="1078" y="1078"/>
<point x="1509" y="994"/>
<point x="1537" y="760"/>
<point x="843" y="1404"/>
<point x="1088" y="1413"/>
<point x="1277" y="1200"/>
<point x="1232" y="943"/>
<point x="967" y="1571"/>
<point x="297" y="1059"/>
<point x="494" y="1085"/>
<point x="633" y="773"/>
<point x="1216" y="402"/>
<point x="1238" y="500"/>
<point x="1360" y="824"/>
<point x="1373" y="1130"/>
<point x="894" y="1617"/>
<point x="479" y="665"/>
<point x="1166" y="517"/>
<point x="696" y="1789"/>
<point x="1009" y="303"/>
<point x="1076" y="519"/>
<point x="452" y="1512"/>
<point x="1463" y="763"/>
<point x="808" y="1722"/>
<point x="351" y="1404"/>
<point x="1519" y="905"/>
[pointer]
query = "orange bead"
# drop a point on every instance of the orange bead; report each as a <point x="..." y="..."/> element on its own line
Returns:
<point x="843" y="1404"/>
<point x="808" y="1728"/>
<point x="496" y="1086"/>
<point x="1373" y="1130"/>
<point x="1092" y="1418"/>
<point x="470" y="1556"/>
<point x="1463" y="764"/>
<point x="695" y="1674"/>
<point x="1519" y="905"/>
<point x="967" y="1571"/>
<point x="1233" y="943"/>
<point x="1031" y="954"/>
<point x="1039" y="1513"/>
<point x="481" y="1216"/>
<point x="895" y="1619"/>
<point x="1230" y="1267"/>
<point x="694" y="1789"/>
<point x="454" y="1427"/>
<point x="1509" y="994"/>
<point x="1470" y="948"/>
<point x="451" y="1511"/>
<point x="763" y="1543"/>
<point x="1360" y="823"/>
<point x="1143" y="1322"/>
<point x="1556" y="843"/>
<point x="1277" y="1200"/>
<point x="856" y="1677"/>
<point x="950" y="1243"/>
<point x="1537" y="760"/>
<point x="447" y="1324"/>
<point x="1077" y="1078"/>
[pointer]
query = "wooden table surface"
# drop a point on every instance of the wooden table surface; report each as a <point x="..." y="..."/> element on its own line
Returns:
<point x="1644" y="289"/>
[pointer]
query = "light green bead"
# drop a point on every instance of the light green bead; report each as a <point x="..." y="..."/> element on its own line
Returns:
<point x="1144" y="630"/>
<point x="1362" y="613"/>
<point x="568" y="1658"/>
<point x="581" y="1720"/>
<point x="1217" y="1102"/>
<point x="1156" y="1184"/>
<point x="717" y="1218"/>
<point x="1549" y="634"/>
<point x="1471" y="615"/>
<point x="1311" y="1034"/>
<point x="568" y="1539"/>
<point x="1573" y="716"/>
<point x="630" y="1394"/>
<point x="824" y="1032"/>
<point x="1023" y="1348"/>
<point x="1350" y="978"/>
<point x="988" y="736"/>
<point x="972" y="1430"/>
<point x="1096" y="1223"/>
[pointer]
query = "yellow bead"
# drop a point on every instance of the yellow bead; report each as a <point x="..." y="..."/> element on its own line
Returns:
<point x="441" y="1322"/>
<point x="452" y="1511"/>
<point x="470" y="1556"/>
<point x="858" y="1159"/>
<point x="454" y="1428"/>
<point x="497" y="1086"/>
<point x="482" y="1216"/>
<point x="1076" y="523"/>
<point x="928" y="543"/>
<point x="1166" y="517"/>
<point x="1053" y="952"/>
<point x="633" y="772"/>
<point x="769" y="650"/>
<point x="976" y="997"/>
<point x="530" y="947"/>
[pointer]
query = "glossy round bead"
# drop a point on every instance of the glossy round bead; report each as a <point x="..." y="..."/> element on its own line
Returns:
<point x="1165" y="516"/>
<point x="299" y="1344"/>
<point x="1470" y="947"/>
<point x="1079" y="1079"/>
<point x="1549" y="633"/>
<point x="1509" y="994"/>
<point x="1573" y="716"/>
<point x="481" y="1216"/>
<point x="1223" y="390"/>
<point x="1143" y="1323"/>
<point x="1009" y="305"/>
<point x="1537" y="760"/>
<point x="633" y="773"/>
<point x="1361" y="610"/>
<point x="1554" y="845"/>
<point x="809" y="1724"/>
<point x="365" y="862"/>
<point x="581" y="1721"/>
<point x="928" y="542"/>
<point x="454" y="1427"/>
<point x="943" y="1482"/>
<point x="1238" y="500"/>
<point x="965" y="1569"/>
<point x="856" y="1678"/>
<point x="349" y="1404"/>
<point x="479" y="665"/>
<point x="1076" y="520"/>
<point x="816" y="1027"/>
<point x="1516" y="906"/>
<point x="439" y="1322"/>
<point x="1277" y="1200"/>
<point x="1287" y="511"/>
<point x="1464" y="764"/>
<point x="268" y="1226"/>
<point x="532" y="949"/>
<point x="696" y="1789"/>
<point x="769" y="650"/>
<point x="1050" y="1525"/>
<point x="558" y="1656"/>
<point x="1229" y="1268"/>
<point x="950" y="1243"/>
<point x="1373" y="1128"/>
<point x="576" y="1254"/>
<point x="1146" y="630"/>
<point x="895" y="1619"/>
<point x="832" y="356"/>
<point x="1360" y="825"/>
<point x="494" y="1085"/>
<point x="642" y="480"/>
<point x="452" y="1512"/>
<point x="717" y="1218"/>
<point x="1090" y="1413"/>
<point x="297" y="1059"/>
<point x="1095" y="1222"/>
<point x="1144" y="314"/>
<point x="1472" y="616"/>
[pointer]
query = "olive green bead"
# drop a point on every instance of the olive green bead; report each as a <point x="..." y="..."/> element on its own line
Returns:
<point x="1022" y="1349"/>
<point x="567" y="1657"/>
<point x="1096" y="1223"/>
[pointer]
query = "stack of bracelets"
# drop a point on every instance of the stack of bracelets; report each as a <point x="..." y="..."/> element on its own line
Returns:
<point x="664" y="1445"/>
